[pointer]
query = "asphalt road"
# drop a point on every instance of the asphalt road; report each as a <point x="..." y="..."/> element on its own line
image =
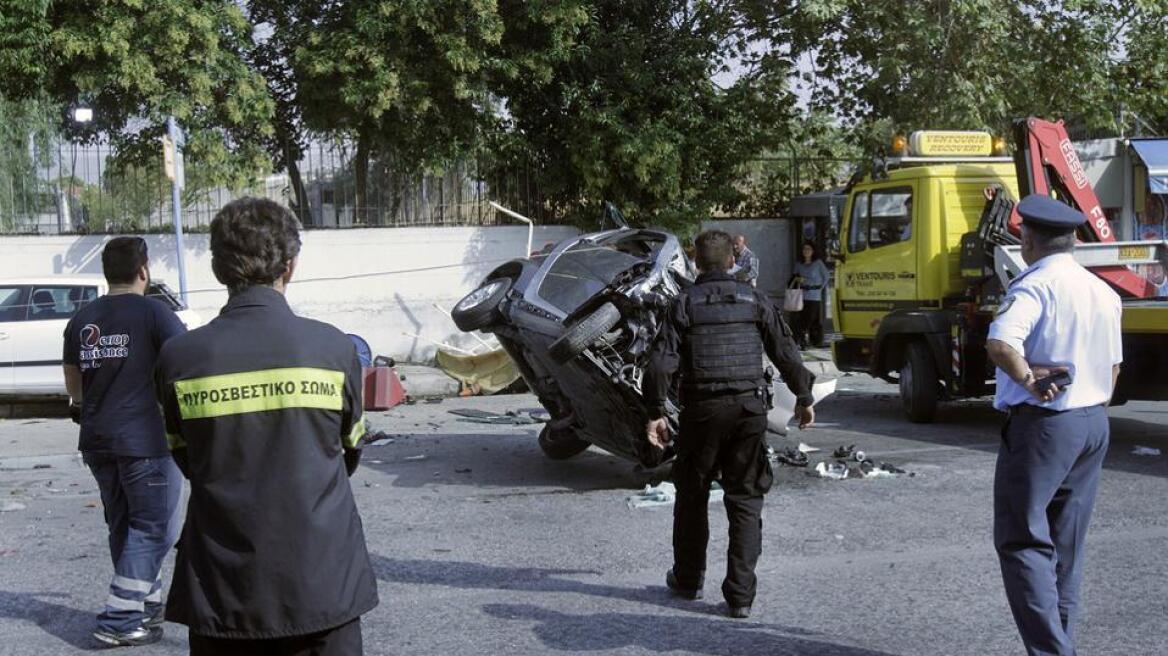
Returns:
<point x="483" y="546"/>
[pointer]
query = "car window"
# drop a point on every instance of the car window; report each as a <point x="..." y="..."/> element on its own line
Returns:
<point x="858" y="228"/>
<point x="47" y="303"/>
<point x="890" y="219"/>
<point x="582" y="271"/>
<point x="13" y="302"/>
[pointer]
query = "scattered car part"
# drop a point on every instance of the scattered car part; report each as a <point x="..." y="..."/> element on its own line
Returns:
<point x="831" y="470"/>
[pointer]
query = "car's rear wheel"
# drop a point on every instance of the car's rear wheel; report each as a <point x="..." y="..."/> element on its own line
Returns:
<point x="561" y="443"/>
<point x="584" y="333"/>
<point x="920" y="388"/>
<point x="480" y="308"/>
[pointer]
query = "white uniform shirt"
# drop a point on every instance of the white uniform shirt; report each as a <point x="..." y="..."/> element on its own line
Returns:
<point x="1058" y="313"/>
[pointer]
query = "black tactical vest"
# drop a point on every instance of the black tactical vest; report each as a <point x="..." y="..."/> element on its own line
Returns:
<point x="723" y="342"/>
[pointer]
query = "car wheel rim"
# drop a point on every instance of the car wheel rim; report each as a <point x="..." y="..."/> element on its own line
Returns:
<point x="478" y="296"/>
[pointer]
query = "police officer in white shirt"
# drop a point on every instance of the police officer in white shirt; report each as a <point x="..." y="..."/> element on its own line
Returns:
<point x="1057" y="317"/>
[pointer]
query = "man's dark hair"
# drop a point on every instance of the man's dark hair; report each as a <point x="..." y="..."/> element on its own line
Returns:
<point x="714" y="249"/>
<point x="1049" y="241"/>
<point x="252" y="241"/>
<point x="121" y="259"/>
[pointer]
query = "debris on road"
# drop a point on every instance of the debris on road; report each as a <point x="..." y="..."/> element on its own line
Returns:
<point x="462" y="471"/>
<point x="415" y="458"/>
<point x="870" y="469"/>
<point x="808" y="449"/>
<point x="665" y="494"/>
<point x="1145" y="451"/>
<point x="791" y="457"/>
<point x="12" y="506"/>
<point x="843" y="452"/>
<point x="42" y="466"/>
<point x="381" y="441"/>
<point x="509" y="417"/>
<point x="832" y="470"/>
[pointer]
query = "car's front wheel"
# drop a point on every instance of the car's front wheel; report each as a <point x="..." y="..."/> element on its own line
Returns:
<point x="480" y="308"/>
<point x="560" y="443"/>
<point x="584" y="333"/>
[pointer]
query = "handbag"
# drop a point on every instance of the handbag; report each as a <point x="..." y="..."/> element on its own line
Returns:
<point x="793" y="298"/>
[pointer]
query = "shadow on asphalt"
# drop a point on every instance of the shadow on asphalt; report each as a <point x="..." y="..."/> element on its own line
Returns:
<point x="562" y="631"/>
<point x="601" y="631"/>
<point x="72" y="626"/>
<point x="493" y="460"/>
<point x="974" y="424"/>
<point x="476" y="576"/>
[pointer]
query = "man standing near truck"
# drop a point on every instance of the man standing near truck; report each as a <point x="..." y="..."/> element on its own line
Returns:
<point x="263" y="415"/>
<point x="1056" y="318"/>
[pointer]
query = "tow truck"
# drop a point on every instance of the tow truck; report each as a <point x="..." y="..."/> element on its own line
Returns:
<point x="931" y="239"/>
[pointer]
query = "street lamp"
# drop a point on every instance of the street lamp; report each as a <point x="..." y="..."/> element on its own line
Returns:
<point x="82" y="114"/>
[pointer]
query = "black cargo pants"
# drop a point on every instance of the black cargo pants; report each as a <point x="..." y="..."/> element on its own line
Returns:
<point x="721" y="438"/>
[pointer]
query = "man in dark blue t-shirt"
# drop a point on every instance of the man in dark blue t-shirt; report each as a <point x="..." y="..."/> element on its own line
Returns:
<point x="111" y="346"/>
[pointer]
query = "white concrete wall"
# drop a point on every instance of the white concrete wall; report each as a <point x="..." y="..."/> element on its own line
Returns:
<point x="371" y="282"/>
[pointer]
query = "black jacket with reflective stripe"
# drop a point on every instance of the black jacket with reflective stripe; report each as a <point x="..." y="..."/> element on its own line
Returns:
<point x="711" y="345"/>
<point x="261" y="404"/>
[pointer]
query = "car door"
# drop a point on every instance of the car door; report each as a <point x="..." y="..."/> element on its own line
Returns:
<point x="13" y="308"/>
<point x="37" y="342"/>
<point x="877" y="274"/>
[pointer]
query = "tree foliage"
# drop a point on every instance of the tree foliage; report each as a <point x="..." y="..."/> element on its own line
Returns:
<point x="134" y="62"/>
<point x="634" y="115"/>
<point x="978" y="64"/>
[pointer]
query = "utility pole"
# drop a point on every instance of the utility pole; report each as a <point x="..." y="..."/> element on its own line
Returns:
<point x="172" y="156"/>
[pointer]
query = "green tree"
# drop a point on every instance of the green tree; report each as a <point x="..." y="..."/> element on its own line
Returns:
<point x="403" y="81"/>
<point x="978" y="64"/>
<point x="25" y="132"/>
<point x="136" y="61"/>
<point x="633" y="113"/>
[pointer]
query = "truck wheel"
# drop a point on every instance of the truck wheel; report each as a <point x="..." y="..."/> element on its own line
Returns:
<point x="584" y="333"/>
<point x="480" y="308"/>
<point x="560" y="443"/>
<point x="920" y="388"/>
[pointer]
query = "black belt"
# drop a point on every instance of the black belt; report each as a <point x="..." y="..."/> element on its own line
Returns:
<point x="1028" y="409"/>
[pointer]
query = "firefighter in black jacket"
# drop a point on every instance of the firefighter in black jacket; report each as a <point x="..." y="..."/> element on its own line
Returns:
<point x="715" y="337"/>
<point x="263" y="415"/>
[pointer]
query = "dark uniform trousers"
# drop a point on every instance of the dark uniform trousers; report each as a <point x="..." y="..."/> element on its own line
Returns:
<point x="721" y="437"/>
<point x="343" y="640"/>
<point x="1045" y="484"/>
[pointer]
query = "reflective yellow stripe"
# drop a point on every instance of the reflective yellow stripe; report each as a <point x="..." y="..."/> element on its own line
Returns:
<point x="257" y="391"/>
<point x="175" y="441"/>
<point x="356" y="434"/>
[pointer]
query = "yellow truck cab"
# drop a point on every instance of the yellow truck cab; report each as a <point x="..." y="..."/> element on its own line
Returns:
<point x="906" y="310"/>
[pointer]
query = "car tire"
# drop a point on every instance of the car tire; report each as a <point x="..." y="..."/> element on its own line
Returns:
<point x="480" y="308"/>
<point x="561" y="443"/>
<point x="584" y="333"/>
<point x="920" y="388"/>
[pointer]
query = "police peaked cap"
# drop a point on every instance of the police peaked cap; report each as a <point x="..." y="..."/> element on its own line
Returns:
<point x="1045" y="212"/>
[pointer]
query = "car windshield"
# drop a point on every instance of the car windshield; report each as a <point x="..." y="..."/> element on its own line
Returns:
<point x="583" y="270"/>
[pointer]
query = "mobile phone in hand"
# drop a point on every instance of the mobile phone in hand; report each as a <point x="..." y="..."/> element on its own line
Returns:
<point x="1062" y="379"/>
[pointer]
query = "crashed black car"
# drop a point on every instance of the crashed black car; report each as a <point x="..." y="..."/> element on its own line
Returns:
<point x="578" y="322"/>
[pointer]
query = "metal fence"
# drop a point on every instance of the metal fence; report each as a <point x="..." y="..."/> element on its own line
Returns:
<point x="68" y="188"/>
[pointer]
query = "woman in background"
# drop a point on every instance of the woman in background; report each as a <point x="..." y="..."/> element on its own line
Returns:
<point x="811" y="275"/>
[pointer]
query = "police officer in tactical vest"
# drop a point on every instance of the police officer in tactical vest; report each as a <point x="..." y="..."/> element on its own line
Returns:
<point x="715" y="337"/>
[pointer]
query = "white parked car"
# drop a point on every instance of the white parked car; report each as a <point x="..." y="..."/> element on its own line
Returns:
<point x="33" y="314"/>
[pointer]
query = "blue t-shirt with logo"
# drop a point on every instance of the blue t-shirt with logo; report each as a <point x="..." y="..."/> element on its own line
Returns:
<point x="115" y="342"/>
